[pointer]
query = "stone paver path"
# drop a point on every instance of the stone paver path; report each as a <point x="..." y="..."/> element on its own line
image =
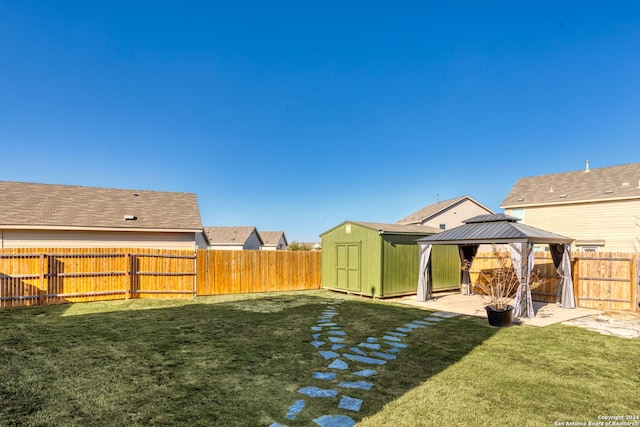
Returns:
<point x="351" y="368"/>
<point x="607" y="325"/>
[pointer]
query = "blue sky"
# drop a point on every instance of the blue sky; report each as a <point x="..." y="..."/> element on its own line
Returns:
<point x="296" y="116"/>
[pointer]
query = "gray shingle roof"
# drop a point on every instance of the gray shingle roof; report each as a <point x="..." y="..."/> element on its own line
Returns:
<point x="432" y="210"/>
<point x="610" y="183"/>
<point x="494" y="229"/>
<point x="31" y="205"/>
<point x="271" y="238"/>
<point x="229" y="235"/>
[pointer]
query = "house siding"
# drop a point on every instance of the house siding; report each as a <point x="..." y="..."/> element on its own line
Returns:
<point x="615" y="222"/>
<point x="453" y="216"/>
<point x="253" y="242"/>
<point x="96" y="239"/>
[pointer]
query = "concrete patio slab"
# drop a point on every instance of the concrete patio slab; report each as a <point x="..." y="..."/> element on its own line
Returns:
<point x="473" y="305"/>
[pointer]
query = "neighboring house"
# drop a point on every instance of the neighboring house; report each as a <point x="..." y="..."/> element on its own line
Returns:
<point x="446" y="214"/>
<point x="233" y="238"/>
<point x="46" y="215"/>
<point x="273" y="240"/>
<point x="600" y="208"/>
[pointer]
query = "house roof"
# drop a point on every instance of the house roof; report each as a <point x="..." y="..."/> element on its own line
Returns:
<point x="610" y="183"/>
<point x="494" y="228"/>
<point x="272" y="238"/>
<point x="48" y="206"/>
<point x="433" y="210"/>
<point x="383" y="228"/>
<point x="230" y="235"/>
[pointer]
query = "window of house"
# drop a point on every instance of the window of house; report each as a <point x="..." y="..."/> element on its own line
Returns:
<point x="443" y="226"/>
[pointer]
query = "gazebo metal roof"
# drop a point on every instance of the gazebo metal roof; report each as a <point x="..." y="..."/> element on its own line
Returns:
<point x="493" y="228"/>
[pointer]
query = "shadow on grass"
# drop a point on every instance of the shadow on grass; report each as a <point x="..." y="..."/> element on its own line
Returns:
<point x="239" y="362"/>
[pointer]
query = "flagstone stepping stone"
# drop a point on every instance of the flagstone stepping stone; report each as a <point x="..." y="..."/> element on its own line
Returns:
<point x="369" y="345"/>
<point x="357" y="350"/>
<point x="445" y="314"/>
<point x="365" y="373"/>
<point x="397" y="334"/>
<point x="326" y="324"/>
<point x="334" y="421"/>
<point x="363" y="385"/>
<point x="334" y="327"/>
<point x="391" y="338"/>
<point x="295" y="409"/>
<point x="433" y="319"/>
<point x="277" y="425"/>
<point x="413" y="326"/>
<point x="336" y="339"/>
<point x="422" y="322"/>
<point x="339" y="364"/>
<point x="396" y="344"/>
<point x="337" y="346"/>
<point x="318" y="392"/>
<point x="350" y="403"/>
<point x="401" y="329"/>
<point x="317" y="344"/>
<point x="393" y="350"/>
<point x="316" y="328"/>
<point x="328" y="354"/>
<point x="385" y="355"/>
<point x="316" y="336"/>
<point x="324" y="375"/>
<point x="372" y="339"/>
<point x="365" y="359"/>
<point x="340" y="333"/>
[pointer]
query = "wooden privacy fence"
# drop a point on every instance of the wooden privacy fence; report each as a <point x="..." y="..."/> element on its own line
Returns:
<point x="607" y="281"/>
<point x="55" y="275"/>
<point x="233" y="272"/>
<point x="37" y="276"/>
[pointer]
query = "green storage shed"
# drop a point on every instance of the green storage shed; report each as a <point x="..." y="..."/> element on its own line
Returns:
<point x="382" y="260"/>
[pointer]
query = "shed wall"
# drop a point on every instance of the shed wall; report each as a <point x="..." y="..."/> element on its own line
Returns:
<point x="400" y="265"/>
<point x="370" y="259"/>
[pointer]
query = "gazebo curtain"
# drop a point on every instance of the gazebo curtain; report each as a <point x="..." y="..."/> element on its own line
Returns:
<point x="424" y="281"/>
<point x="467" y="253"/>
<point x="522" y="257"/>
<point x="562" y="260"/>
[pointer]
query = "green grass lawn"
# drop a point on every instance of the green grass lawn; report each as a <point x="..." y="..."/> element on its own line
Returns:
<point x="240" y="361"/>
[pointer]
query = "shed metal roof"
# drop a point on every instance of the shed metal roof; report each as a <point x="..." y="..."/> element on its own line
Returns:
<point x="384" y="228"/>
<point x="494" y="228"/>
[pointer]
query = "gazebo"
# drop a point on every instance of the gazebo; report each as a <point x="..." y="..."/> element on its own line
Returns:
<point x="502" y="229"/>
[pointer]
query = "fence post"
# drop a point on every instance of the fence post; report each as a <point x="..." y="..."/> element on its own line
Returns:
<point x="42" y="292"/>
<point x="128" y="281"/>
<point x="195" y="273"/>
<point x="575" y="274"/>
<point x="635" y="290"/>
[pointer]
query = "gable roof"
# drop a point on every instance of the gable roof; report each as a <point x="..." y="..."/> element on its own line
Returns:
<point x="48" y="206"/>
<point x="494" y="228"/>
<point x="433" y="210"/>
<point x="230" y="235"/>
<point x="272" y="238"/>
<point x="383" y="228"/>
<point x="610" y="183"/>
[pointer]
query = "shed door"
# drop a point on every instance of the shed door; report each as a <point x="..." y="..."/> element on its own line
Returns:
<point x="348" y="266"/>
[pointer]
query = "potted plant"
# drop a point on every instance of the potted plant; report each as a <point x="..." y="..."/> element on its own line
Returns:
<point x="498" y="286"/>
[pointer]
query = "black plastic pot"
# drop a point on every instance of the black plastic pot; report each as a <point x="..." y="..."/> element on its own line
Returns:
<point x="500" y="318"/>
